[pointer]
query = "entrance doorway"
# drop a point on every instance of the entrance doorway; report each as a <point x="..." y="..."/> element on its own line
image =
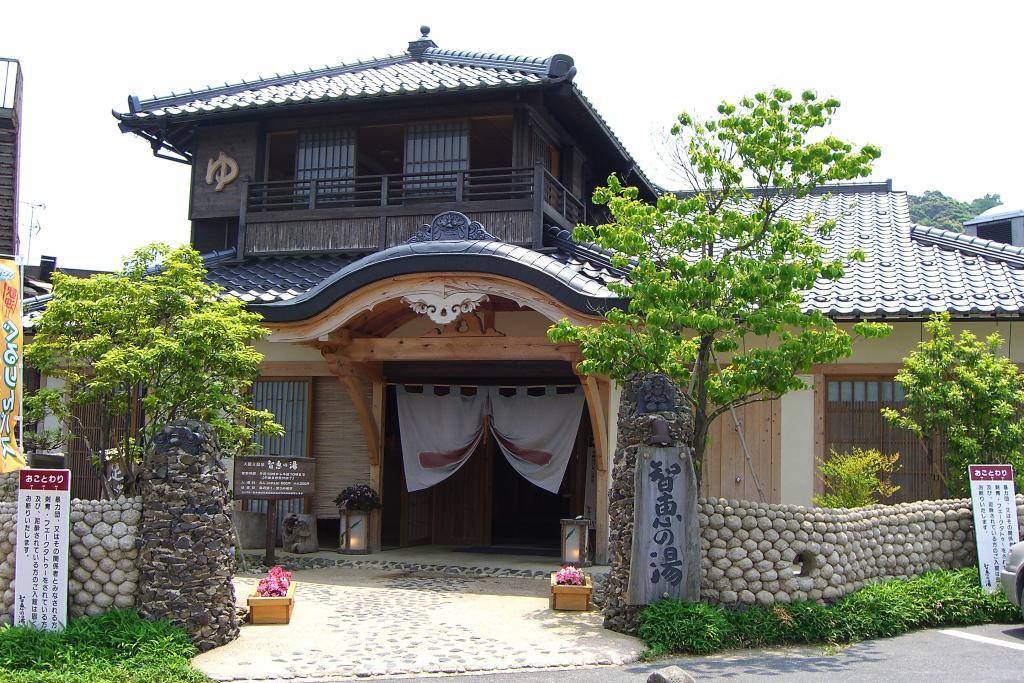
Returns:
<point x="486" y="505"/>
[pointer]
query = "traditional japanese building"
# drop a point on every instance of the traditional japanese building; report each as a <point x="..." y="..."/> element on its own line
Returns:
<point x="403" y="226"/>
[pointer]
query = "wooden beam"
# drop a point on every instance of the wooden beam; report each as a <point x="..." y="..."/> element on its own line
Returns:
<point x="453" y="348"/>
<point x="598" y="423"/>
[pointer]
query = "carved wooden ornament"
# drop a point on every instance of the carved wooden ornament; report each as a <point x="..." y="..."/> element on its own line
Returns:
<point x="444" y="308"/>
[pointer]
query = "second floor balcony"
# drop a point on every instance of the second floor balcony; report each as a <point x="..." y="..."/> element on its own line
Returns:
<point x="372" y="212"/>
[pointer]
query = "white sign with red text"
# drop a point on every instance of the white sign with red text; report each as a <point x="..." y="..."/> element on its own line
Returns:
<point x="41" y="559"/>
<point x="995" y="518"/>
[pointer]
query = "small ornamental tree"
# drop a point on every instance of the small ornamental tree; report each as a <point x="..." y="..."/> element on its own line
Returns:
<point x="155" y="335"/>
<point x="960" y="388"/>
<point x="717" y="276"/>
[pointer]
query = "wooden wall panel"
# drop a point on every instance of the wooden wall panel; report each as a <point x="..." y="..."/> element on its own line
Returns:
<point x="507" y="226"/>
<point x="725" y="461"/>
<point x="338" y="444"/>
<point x="332" y="234"/>
<point x="238" y="141"/>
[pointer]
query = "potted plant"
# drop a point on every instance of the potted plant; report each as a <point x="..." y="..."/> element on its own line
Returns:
<point x="355" y="504"/>
<point x="570" y="589"/>
<point x="273" y="599"/>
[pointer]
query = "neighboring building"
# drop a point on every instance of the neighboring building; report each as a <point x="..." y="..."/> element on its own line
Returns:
<point x="1000" y="224"/>
<point x="10" y="136"/>
<point x="322" y="200"/>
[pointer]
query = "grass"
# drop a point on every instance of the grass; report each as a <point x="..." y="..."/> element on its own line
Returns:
<point x="881" y="610"/>
<point x="116" y="647"/>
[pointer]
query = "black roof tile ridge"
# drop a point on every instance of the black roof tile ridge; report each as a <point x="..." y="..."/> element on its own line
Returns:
<point x="537" y="65"/>
<point x="587" y="251"/>
<point x="950" y="240"/>
<point x="217" y="256"/>
<point x="868" y="187"/>
<point x="143" y="106"/>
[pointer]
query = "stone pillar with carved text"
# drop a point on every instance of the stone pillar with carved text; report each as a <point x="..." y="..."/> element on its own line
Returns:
<point x="653" y="484"/>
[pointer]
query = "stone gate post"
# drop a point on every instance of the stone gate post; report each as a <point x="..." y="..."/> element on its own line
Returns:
<point x="186" y="543"/>
<point x="655" y="435"/>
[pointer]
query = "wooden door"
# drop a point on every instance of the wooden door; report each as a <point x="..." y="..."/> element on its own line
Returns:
<point x="462" y="502"/>
<point x="727" y="471"/>
<point x="417" y="514"/>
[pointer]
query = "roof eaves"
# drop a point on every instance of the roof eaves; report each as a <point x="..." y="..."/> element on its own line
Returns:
<point x="137" y="106"/>
<point x="969" y="244"/>
<point x="621" y="148"/>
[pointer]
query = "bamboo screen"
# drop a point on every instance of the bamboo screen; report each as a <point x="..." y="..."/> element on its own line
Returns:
<point x="288" y="400"/>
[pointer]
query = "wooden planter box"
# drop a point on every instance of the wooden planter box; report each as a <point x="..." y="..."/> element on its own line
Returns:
<point x="272" y="610"/>
<point x="571" y="597"/>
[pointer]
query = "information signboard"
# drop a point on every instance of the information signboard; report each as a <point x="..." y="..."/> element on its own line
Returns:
<point x="273" y="477"/>
<point x="41" y="559"/>
<point x="995" y="518"/>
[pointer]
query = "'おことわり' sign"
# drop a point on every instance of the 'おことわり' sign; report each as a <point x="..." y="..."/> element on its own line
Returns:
<point x="41" y="558"/>
<point x="995" y="518"/>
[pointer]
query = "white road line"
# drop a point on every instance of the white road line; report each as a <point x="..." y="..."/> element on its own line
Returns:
<point x="983" y="639"/>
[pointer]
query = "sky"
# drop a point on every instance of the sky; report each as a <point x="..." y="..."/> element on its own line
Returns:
<point x="939" y="86"/>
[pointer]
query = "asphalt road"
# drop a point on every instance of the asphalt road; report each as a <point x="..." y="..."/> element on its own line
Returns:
<point x="979" y="654"/>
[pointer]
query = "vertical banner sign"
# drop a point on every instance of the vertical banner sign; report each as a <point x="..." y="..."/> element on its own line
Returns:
<point x="665" y="485"/>
<point x="11" y="458"/>
<point x="995" y="518"/>
<point x="41" y="559"/>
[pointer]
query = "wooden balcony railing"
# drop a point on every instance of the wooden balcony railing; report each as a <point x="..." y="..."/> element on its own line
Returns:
<point x="374" y="191"/>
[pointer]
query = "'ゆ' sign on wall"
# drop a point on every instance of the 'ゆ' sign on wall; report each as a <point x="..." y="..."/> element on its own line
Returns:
<point x="41" y="577"/>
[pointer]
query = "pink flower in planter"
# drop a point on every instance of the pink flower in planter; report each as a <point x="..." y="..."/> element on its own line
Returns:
<point x="569" y="575"/>
<point x="275" y="585"/>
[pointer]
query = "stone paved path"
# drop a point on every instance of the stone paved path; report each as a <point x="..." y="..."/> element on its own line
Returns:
<point x="360" y="623"/>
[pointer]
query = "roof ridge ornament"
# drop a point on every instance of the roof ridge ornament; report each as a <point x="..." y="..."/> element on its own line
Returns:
<point x="418" y="47"/>
<point x="451" y="226"/>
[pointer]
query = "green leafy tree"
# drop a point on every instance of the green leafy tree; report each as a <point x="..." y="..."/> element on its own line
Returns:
<point x="936" y="209"/>
<point x="856" y="478"/>
<point x="960" y="388"/>
<point x="715" y="290"/>
<point x="155" y="334"/>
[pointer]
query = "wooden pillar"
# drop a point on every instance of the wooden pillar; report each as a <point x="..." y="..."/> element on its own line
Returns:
<point x="597" y="392"/>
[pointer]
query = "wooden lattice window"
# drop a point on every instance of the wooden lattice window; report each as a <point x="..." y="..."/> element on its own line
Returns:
<point x="853" y="418"/>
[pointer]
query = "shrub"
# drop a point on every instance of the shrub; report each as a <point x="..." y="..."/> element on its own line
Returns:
<point x="856" y="478"/>
<point x="114" y="647"/>
<point x="881" y="610"/>
<point x="357" y="497"/>
<point x="692" y="627"/>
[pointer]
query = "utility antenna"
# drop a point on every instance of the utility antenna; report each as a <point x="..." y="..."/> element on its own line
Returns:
<point x="33" y="227"/>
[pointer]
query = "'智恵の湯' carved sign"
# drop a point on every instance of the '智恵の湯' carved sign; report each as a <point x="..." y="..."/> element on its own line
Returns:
<point x="664" y="529"/>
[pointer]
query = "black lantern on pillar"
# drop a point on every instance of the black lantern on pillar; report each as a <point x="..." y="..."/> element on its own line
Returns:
<point x="659" y="435"/>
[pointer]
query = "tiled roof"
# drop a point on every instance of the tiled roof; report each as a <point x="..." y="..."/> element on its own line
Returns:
<point x="908" y="270"/>
<point x="436" y="71"/>
<point x="273" y="278"/>
<point x="424" y="68"/>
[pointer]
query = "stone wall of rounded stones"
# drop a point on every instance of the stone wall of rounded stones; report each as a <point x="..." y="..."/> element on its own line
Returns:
<point x="102" y="573"/>
<point x="762" y="553"/>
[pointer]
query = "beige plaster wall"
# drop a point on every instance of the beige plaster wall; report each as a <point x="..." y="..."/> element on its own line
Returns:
<point x="906" y="336"/>
<point x="287" y="351"/>
<point x="797" y="449"/>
